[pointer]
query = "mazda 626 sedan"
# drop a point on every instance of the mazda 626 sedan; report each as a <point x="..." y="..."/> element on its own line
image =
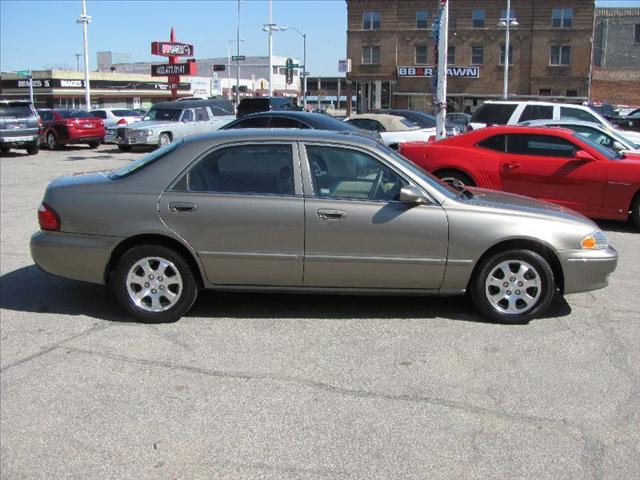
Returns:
<point x="311" y="211"/>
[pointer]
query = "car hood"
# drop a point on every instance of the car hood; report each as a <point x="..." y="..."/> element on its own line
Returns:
<point x="521" y="205"/>
<point x="151" y="124"/>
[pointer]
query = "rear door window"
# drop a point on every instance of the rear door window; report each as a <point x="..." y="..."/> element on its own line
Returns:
<point x="540" y="145"/>
<point x="245" y="169"/>
<point x="536" y="112"/>
<point x="494" y="113"/>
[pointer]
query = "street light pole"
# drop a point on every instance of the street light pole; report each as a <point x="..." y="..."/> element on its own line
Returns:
<point x="84" y="19"/>
<point x="229" y="69"/>
<point x="507" y="23"/>
<point x="238" y="58"/>
<point x="304" y="67"/>
<point x="270" y="28"/>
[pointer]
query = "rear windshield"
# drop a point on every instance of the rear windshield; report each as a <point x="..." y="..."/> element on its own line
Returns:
<point x="142" y="162"/>
<point x="494" y="113"/>
<point x="76" y="114"/>
<point x="125" y="113"/>
<point x="168" y="114"/>
<point x="15" y="111"/>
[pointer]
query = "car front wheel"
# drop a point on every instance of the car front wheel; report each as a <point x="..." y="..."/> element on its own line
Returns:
<point x="164" y="139"/>
<point x="513" y="286"/>
<point x="154" y="284"/>
<point x="635" y="210"/>
<point x="33" y="149"/>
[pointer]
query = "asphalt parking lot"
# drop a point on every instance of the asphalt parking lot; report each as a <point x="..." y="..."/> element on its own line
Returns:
<point x="306" y="387"/>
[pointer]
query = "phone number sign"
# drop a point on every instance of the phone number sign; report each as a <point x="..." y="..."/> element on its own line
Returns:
<point x="456" y="72"/>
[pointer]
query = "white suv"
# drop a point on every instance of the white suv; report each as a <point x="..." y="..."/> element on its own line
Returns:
<point x="513" y="112"/>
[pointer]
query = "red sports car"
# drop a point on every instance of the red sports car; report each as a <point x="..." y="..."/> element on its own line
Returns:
<point x="551" y="164"/>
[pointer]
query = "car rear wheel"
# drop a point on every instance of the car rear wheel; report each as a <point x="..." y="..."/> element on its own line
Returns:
<point x="52" y="141"/>
<point x="164" y="139"/>
<point x="154" y="284"/>
<point x="125" y="148"/>
<point x="455" y="178"/>
<point x="94" y="144"/>
<point x="513" y="286"/>
<point x="33" y="149"/>
<point x="635" y="210"/>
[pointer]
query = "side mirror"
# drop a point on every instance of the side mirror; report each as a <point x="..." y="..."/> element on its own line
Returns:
<point x="411" y="194"/>
<point x="584" y="155"/>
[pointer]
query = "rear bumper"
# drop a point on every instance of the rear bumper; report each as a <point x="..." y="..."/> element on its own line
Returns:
<point x="80" y="257"/>
<point x="17" y="140"/>
<point x="586" y="270"/>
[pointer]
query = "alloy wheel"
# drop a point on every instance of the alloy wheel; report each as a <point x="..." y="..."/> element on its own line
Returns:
<point x="513" y="287"/>
<point x="154" y="284"/>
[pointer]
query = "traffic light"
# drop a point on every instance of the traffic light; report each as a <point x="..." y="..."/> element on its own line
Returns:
<point x="219" y="68"/>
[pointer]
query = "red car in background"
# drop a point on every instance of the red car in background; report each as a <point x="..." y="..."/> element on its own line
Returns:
<point x="63" y="127"/>
<point x="551" y="164"/>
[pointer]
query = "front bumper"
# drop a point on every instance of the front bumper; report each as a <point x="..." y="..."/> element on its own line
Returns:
<point x="75" y="256"/>
<point x="586" y="270"/>
<point x="137" y="140"/>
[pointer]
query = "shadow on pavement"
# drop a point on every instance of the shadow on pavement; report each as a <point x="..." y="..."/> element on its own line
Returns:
<point x="28" y="289"/>
<point x="620" y="227"/>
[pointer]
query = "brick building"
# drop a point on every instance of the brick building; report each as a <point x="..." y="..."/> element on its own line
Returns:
<point x="550" y="51"/>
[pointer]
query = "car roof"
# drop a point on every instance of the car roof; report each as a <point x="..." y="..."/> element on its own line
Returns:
<point x="181" y="104"/>
<point x="283" y="134"/>
<point x="389" y="121"/>
<point x="482" y="133"/>
<point x="308" y="117"/>
<point x="535" y="102"/>
<point x="566" y="121"/>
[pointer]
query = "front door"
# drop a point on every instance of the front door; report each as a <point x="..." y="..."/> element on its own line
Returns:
<point x="544" y="167"/>
<point x="358" y="234"/>
<point x="241" y="208"/>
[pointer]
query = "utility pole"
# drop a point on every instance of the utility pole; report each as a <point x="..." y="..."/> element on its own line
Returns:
<point x="505" y="90"/>
<point x="84" y="19"/>
<point x="441" y="91"/>
<point x="229" y="69"/>
<point x="238" y="59"/>
<point x="270" y="48"/>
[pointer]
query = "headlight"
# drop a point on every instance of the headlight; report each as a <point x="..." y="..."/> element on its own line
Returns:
<point x="594" y="241"/>
<point x="144" y="133"/>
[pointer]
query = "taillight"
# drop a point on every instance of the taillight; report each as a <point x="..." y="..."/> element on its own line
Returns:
<point x="122" y="121"/>
<point x="48" y="218"/>
<point x="70" y="122"/>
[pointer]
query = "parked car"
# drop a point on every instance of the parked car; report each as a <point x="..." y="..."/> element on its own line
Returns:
<point x="64" y="127"/>
<point x="167" y="122"/>
<point x="459" y="118"/>
<point x="308" y="211"/>
<point x="19" y="126"/>
<point x="551" y="164"/>
<point x="424" y="120"/>
<point x="114" y="117"/>
<point x="248" y="106"/>
<point x="514" y="112"/>
<point x="305" y="120"/>
<point x="628" y="122"/>
<point x="393" y="129"/>
<point x="607" y="137"/>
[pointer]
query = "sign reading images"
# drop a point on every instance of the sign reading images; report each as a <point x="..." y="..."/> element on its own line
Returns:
<point x="456" y="72"/>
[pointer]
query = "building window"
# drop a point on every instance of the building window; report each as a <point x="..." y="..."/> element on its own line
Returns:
<point x="421" y="54"/>
<point x="560" y="55"/>
<point x="370" y="55"/>
<point x="562" y="17"/>
<point x="478" y="17"/>
<point x="571" y="93"/>
<point x="477" y="55"/>
<point x="453" y="20"/>
<point x="371" y="20"/>
<point x="451" y="54"/>
<point x="422" y="19"/>
<point x="512" y="14"/>
<point x="502" y="55"/>
<point x="545" y="92"/>
<point x="637" y="33"/>
<point x="275" y="70"/>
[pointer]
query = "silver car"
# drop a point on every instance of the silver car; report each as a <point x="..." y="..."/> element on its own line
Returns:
<point x="167" y="122"/>
<point x="310" y="211"/>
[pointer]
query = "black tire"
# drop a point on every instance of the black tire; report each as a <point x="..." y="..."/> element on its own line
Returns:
<point x="52" y="141"/>
<point x="635" y="210"/>
<point x="125" y="148"/>
<point x="455" y="177"/>
<point x="178" y="270"/>
<point x="33" y="149"/>
<point x="164" y="139"/>
<point x="93" y="145"/>
<point x="4" y="149"/>
<point x="509" y="301"/>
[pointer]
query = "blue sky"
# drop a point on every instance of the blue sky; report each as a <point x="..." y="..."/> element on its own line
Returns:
<point x="42" y="33"/>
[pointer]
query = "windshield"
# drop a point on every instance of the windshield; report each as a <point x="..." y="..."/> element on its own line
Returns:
<point x="15" y="111"/>
<point x="164" y="114"/>
<point x="421" y="119"/>
<point x="610" y="154"/>
<point x="442" y="187"/>
<point x="142" y="162"/>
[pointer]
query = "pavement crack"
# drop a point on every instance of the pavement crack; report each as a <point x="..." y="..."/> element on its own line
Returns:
<point x="490" y="414"/>
<point x="96" y="327"/>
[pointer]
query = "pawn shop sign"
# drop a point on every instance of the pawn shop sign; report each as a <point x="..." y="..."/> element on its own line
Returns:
<point x="172" y="49"/>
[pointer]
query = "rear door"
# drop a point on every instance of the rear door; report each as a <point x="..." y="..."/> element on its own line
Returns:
<point x="358" y="234"/>
<point x="544" y="167"/>
<point x="241" y="208"/>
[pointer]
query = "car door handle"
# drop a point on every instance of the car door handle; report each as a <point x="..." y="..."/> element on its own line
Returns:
<point x="331" y="214"/>
<point x="182" y="207"/>
<point x="512" y="165"/>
